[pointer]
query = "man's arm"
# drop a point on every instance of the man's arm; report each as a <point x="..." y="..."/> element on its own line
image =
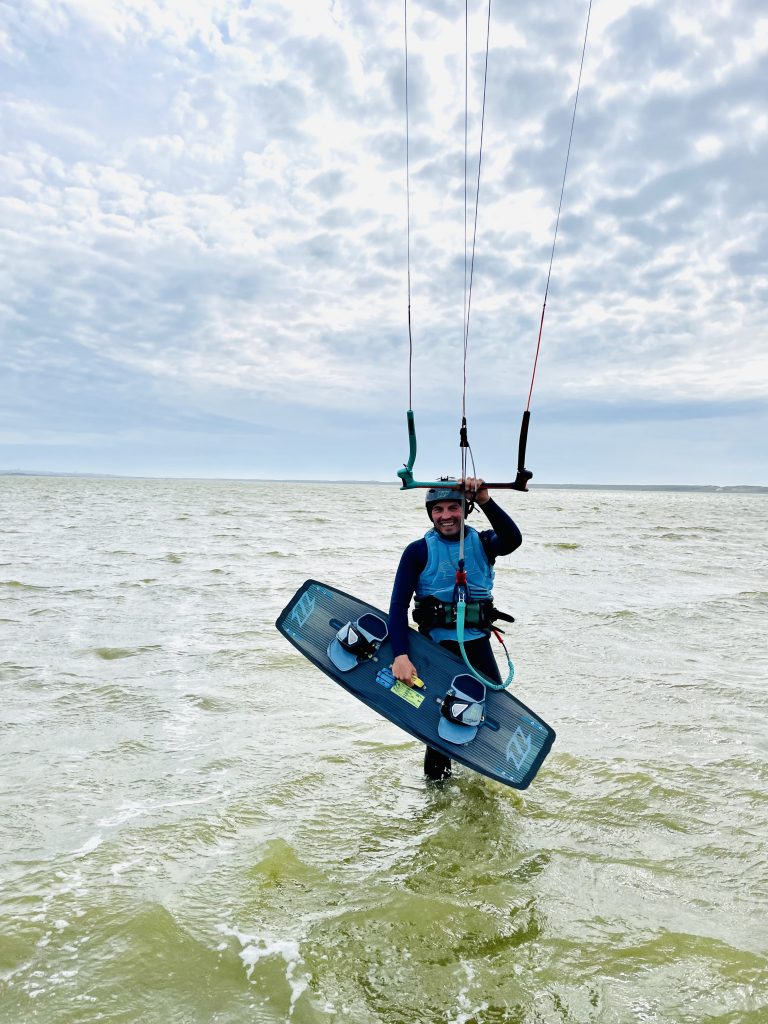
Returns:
<point x="412" y="564"/>
<point x="504" y="537"/>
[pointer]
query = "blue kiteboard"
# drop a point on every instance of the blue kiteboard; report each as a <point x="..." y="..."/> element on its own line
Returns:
<point x="487" y="730"/>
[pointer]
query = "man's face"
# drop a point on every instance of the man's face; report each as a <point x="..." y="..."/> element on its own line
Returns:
<point x="446" y="516"/>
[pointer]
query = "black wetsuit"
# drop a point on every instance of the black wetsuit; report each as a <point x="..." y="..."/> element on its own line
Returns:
<point x="502" y="539"/>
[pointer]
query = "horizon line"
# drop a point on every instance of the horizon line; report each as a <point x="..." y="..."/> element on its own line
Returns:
<point x="743" y="488"/>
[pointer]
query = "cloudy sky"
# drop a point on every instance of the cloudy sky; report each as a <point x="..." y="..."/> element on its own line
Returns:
<point x="203" y="238"/>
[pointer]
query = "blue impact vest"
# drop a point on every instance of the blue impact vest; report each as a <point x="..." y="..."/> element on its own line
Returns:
<point x="439" y="576"/>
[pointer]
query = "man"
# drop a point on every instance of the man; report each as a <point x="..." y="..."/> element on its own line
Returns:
<point x="428" y="570"/>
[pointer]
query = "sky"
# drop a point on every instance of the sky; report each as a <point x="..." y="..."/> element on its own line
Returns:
<point x="204" y="238"/>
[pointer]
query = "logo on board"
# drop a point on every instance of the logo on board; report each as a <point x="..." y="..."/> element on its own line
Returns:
<point x="303" y="609"/>
<point x="518" y="748"/>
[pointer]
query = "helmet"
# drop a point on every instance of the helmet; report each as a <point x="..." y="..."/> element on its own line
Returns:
<point x="446" y="493"/>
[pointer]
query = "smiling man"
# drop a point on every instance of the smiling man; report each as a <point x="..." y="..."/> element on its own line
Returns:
<point x="428" y="570"/>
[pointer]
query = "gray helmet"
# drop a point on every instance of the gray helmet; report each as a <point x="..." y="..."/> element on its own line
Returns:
<point x="447" y="493"/>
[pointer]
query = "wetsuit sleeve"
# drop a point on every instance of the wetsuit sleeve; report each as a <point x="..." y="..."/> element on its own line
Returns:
<point x="412" y="565"/>
<point x="505" y="537"/>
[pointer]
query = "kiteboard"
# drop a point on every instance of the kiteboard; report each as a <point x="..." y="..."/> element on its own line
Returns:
<point x="489" y="731"/>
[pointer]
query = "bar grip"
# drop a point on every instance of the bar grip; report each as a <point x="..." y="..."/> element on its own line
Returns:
<point x="523" y="474"/>
<point x="406" y="473"/>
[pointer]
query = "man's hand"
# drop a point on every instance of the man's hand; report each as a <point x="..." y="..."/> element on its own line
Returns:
<point x="404" y="669"/>
<point x="476" y="484"/>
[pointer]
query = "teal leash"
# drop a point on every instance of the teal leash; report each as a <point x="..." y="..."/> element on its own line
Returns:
<point x="461" y="609"/>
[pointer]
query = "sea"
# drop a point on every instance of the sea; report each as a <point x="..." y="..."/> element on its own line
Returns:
<point x="198" y="827"/>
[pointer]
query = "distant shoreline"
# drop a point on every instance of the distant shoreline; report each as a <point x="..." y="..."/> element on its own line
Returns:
<point x="694" y="488"/>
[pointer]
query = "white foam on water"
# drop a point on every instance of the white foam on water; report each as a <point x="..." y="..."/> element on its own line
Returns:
<point x="465" y="1010"/>
<point x="255" y="948"/>
<point x="68" y="885"/>
<point x="92" y="844"/>
<point x="126" y="813"/>
<point x="130" y="810"/>
<point x="120" y="867"/>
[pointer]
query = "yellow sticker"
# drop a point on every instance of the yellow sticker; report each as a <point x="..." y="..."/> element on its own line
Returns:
<point x="417" y="699"/>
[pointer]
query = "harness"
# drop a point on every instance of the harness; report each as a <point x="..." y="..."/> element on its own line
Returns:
<point x="432" y="613"/>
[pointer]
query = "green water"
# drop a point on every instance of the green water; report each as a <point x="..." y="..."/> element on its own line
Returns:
<point x="197" y="827"/>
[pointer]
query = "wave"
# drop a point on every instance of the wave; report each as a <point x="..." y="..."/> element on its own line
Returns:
<point x="116" y="653"/>
<point x="118" y="696"/>
<point x="78" y="939"/>
<point x="619" y="614"/>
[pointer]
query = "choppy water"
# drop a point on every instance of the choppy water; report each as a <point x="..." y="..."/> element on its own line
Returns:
<point x="196" y="826"/>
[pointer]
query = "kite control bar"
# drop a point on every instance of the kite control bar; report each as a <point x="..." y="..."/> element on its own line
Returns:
<point x="520" y="482"/>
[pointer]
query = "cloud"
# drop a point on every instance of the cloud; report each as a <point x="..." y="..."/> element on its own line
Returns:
<point x="208" y="199"/>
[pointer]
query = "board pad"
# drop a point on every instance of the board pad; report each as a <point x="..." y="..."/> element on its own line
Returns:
<point x="509" y="747"/>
